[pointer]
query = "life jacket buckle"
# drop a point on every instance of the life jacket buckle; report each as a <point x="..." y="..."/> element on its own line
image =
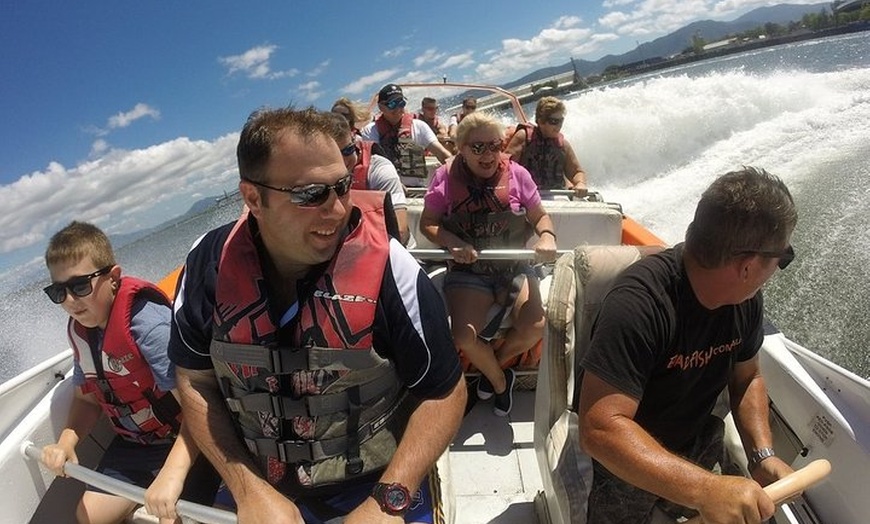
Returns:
<point x="354" y="466"/>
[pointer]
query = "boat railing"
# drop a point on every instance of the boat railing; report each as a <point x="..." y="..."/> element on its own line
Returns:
<point x="568" y="194"/>
<point x="197" y="512"/>
<point x="438" y="254"/>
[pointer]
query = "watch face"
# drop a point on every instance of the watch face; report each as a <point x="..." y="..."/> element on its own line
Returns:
<point x="396" y="498"/>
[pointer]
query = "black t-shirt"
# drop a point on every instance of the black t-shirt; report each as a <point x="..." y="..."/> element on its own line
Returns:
<point x="411" y="327"/>
<point x="655" y="342"/>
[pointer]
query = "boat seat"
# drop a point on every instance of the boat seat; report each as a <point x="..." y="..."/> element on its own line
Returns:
<point x="580" y="281"/>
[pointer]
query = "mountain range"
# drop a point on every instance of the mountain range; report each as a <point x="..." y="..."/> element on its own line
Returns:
<point x="680" y="39"/>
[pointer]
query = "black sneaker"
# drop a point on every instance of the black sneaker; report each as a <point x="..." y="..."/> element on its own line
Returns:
<point x="504" y="401"/>
<point x="484" y="388"/>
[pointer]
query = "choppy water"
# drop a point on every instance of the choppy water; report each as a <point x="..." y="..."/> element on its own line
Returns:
<point x="654" y="143"/>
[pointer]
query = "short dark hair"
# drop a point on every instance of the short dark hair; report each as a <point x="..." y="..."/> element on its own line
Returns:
<point x="745" y="210"/>
<point x="262" y="129"/>
<point x="428" y="100"/>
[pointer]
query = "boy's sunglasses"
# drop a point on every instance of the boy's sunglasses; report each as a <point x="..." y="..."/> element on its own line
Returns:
<point x="478" y="148"/>
<point x="785" y="256"/>
<point x="78" y="286"/>
<point x="395" y="103"/>
<point x="310" y="195"/>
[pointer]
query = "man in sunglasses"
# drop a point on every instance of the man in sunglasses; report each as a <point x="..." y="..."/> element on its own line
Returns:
<point x="313" y="354"/>
<point x="119" y="329"/>
<point x="544" y="151"/>
<point x="372" y="171"/>
<point x="403" y="138"/>
<point x="674" y="331"/>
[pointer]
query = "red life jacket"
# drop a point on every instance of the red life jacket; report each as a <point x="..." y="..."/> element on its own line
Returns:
<point x="544" y="157"/>
<point x="122" y="380"/>
<point x="480" y="213"/>
<point x="313" y="400"/>
<point x="361" y="169"/>
<point x="433" y="125"/>
<point x="399" y="146"/>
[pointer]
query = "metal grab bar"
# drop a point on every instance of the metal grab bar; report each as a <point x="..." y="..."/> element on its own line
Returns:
<point x="485" y="254"/>
<point x="198" y="512"/>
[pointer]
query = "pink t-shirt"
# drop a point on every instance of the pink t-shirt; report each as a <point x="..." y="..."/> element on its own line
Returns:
<point x="523" y="190"/>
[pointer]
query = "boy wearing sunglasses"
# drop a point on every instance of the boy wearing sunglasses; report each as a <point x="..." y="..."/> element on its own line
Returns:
<point x="119" y="329"/>
<point x="544" y="151"/>
<point x="403" y="138"/>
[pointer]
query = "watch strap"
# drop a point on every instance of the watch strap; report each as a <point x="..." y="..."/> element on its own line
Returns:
<point x="759" y="455"/>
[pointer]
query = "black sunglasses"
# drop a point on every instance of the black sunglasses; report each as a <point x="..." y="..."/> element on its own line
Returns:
<point x="478" y="148"/>
<point x="310" y="195"/>
<point x="555" y="121"/>
<point x="785" y="256"/>
<point x="395" y="103"/>
<point x="79" y="286"/>
<point x="348" y="149"/>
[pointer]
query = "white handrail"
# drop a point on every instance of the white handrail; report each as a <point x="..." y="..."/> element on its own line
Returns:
<point x="485" y="254"/>
<point x="198" y="512"/>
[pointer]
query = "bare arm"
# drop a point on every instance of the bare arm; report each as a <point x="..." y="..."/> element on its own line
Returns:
<point x="83" y="416"/>
<point x="430" y="429"/>
<point x="440" y="152"/>
<point x="751" y="412"/>
<point x="611" y="436"/>
<point x="574" y="173"/>
<point x="545" y="247"/>
<point x="402" y="221"/>
<point x="430" y="226"/>
<point x="210" y="424"/>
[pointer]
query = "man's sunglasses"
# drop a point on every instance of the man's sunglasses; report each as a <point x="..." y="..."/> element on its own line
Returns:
<point x="785" y="256"/>
<point x="79" y="286"/>
<point x="555" y="121"/>
<point x="470" y="107"/>
<point x="478" y="148"/>
<point x="349" y="149"/>
<point x="395" y="103"/>
<point x="310" y="195"/>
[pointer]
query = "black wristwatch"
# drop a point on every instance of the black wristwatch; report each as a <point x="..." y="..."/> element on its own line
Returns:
<point x="394" y="499"/>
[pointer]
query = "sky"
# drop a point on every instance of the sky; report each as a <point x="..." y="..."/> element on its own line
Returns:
<point x="125" y="113"/>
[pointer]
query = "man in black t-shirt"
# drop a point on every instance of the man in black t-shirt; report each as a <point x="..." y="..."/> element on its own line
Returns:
<point x="673" y="332"/>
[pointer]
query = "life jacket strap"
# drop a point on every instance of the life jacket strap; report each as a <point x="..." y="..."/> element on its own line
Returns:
<point x="282" y="360"/>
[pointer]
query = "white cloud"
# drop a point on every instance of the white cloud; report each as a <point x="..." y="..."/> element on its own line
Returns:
<point x="310" y="91"/>
<point x="254" y="63"/>
<point x="428" y="56"/>
<point x="459" y="61"/>
<point x="140" y="110"/>
<point x="378" y="78"/>
<point x="117" y="191"/>
<point x="396" y="51"/>
<point x="321" y="67"/>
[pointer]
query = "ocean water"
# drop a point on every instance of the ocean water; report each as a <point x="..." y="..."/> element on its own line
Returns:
<point x="654" y="143"/>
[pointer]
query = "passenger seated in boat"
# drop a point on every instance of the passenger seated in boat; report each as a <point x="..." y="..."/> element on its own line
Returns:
<point x="314" y="355"/>
<point x="481" y="199"/>
<point x="125" y="322"/>
<point x="403" y="138"/>
<point x="429" y="114"/>
<point x="469" y="105"/>
<point x="355" y="113"/>
<point x="676" y="329"/>
<point x="543" y="150"/>
<point x="371" y="171"/>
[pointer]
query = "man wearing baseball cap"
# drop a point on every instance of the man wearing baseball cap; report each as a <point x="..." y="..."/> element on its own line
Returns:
<point x="403" y="138"/>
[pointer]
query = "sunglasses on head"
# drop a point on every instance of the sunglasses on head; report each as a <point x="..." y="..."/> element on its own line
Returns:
<point x="785" y="256"/>
<point x="478" y="148"/>
<point x="348" y="149"/>
<point x="395" y="103"/>
<point x="310" y="195"/>
<point x="555" y="121"/>
<point x="79" y="286"/>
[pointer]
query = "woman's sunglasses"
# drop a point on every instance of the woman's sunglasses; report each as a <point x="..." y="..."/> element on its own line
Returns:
<point x="79" y="286"/>
<point x="395" y="103"/>
<point x="310" y="195"/>
<point x="478" y="148"/>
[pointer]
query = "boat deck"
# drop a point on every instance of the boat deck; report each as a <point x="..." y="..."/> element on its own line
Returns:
<point x="494" y="473"/>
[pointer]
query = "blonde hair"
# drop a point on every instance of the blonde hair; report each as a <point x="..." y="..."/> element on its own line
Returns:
<point x="547" y="106"/>
<point x="474" y="121"/>
<point x="358" y="113"/>
<point x="76" y="241"/>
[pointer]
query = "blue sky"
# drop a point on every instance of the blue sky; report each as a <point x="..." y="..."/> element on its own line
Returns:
<point x="125" y="113"/>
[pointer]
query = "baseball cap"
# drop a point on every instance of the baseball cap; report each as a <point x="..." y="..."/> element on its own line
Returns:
<point x="389" y="91"/>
